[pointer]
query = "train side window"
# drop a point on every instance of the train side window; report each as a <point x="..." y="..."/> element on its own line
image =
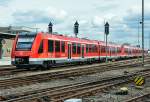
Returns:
<point x="87" y="48"/>
<point x="74" y="48"/>
<point x="50" y="45"/>
<point x="96" y="49"/>
<point x="41" y="47"/>
<point x="118" y="49"/>
<point x="90" y="48"/>
<point x="93" y="47"/>
<point x="100" y="48"/>
<point x="115" y="50"/>
<point x="57" y="46"/>
<point x="78" y="48"/>
<point x="112" y="50"/>
<point x="103" y="49"/>
<point x="63" y="46"/>
<point x="126" y="50"/>
<point x="107" y="49"/>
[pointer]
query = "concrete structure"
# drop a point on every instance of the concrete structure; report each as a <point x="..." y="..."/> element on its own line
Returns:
<point x="7" y="35"/>
<point x="13" y="29"/>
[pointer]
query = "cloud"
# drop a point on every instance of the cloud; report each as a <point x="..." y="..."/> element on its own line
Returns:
<point x="122" y="16"/>
<point x="97" y="21"/>
<point x="4" y="2"/>
<point x="39" y="16"/>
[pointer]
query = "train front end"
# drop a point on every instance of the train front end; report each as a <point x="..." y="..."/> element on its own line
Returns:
<point x="23" y="49"/>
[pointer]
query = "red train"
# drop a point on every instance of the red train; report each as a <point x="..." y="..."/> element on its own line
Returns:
<point x="47" y="49"/>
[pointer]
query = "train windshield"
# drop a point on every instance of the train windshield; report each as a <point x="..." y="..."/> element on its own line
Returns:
<point x="25" y="41"/>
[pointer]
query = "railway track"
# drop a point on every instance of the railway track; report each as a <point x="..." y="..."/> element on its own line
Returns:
<point x="76" y="71"/>
<point x="58" y="94"/>
<point x="139" y="98"/>
<point x="11" y="70"/>
<point x="6" y="67"/>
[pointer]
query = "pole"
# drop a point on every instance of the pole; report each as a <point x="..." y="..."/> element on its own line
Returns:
<point x="106" y="50"/>
<point x="138" y="34"/>
<point x="104" y="31"/>
<point x="0" y="49"/>
<point x="149" y="41"/>
<point x="142" y="32"/>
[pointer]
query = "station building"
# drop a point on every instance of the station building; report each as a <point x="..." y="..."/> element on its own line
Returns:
<point x="7" y="36"/>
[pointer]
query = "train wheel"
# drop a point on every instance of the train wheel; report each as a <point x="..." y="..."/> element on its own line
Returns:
<point x="45" y="65"/>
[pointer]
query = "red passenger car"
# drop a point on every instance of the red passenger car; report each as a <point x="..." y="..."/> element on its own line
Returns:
<point x="47" y="49"/>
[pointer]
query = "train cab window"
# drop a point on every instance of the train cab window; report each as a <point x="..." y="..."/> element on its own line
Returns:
<point x="41" y="47"/>
<point x="57" y="46"/>
<point x="25" y="41"/>
<point x="74" y="48"/>
<point x="50" y="45"/>
<point x="78" y="48"/>
<point x="63" y="46"/>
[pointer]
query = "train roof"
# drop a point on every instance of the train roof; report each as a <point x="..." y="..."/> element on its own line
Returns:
<point x="83" y="40"/>
<point x="131" y="47"/>
<point x="69" y="38"/>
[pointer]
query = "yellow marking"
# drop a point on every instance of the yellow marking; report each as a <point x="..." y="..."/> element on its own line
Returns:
<point x="141" y="82"/>
<point x="136" y="79"/>
<point x="141" y="78"/>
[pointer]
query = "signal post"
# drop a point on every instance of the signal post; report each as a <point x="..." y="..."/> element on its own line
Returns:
<point x="106" y="32"/>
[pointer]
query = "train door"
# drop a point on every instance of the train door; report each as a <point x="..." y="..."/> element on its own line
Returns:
<point x="69" y="51"/>
<point x="82" y="51"/>
<point x="111" y="48"/>
<point x="99" y="53"/>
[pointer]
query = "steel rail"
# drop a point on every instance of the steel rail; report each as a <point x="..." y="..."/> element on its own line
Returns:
<point x="83" y="89"/>
<point x="134" y="99"/>
<point x="13" y="82"/>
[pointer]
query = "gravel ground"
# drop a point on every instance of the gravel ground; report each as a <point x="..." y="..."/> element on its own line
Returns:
<point x="66" y="81"/>
<point x="41" y="72"/>
<point x="27" y="73"/>
<point x="110" y="96"/>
